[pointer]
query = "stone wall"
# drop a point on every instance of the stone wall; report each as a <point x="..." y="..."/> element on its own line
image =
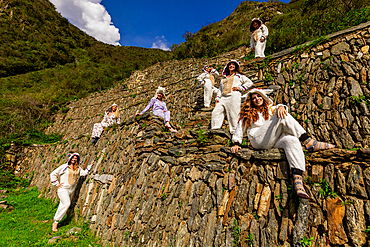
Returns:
<point x="153" y="188"/>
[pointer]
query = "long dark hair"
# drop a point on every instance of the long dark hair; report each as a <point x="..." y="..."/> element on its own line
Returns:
<point x="249" y="112"/>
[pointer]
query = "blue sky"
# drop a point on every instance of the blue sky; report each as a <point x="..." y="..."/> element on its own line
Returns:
<point x="143" y="23"/>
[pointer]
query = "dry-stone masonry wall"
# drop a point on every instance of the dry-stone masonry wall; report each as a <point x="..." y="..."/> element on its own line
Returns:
<point x="154" y="188"/>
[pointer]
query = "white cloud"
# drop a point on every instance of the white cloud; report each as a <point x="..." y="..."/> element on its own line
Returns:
<point x="161" y="43"/>
<point x="91" y="17"/>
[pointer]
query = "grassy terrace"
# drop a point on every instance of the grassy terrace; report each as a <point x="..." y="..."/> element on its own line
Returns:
<point x="29" y="223"/>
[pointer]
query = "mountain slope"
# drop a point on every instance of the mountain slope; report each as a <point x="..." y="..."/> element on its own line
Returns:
<point x="45" y="62"/>
<point x="289" y="25"/>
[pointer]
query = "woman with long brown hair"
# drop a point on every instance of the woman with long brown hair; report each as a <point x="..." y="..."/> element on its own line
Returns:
<point x="270" y="126"/>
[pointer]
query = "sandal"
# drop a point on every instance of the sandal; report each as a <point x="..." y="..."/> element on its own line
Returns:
<point x="298" y="186"/>
<point x="317" y="146"/>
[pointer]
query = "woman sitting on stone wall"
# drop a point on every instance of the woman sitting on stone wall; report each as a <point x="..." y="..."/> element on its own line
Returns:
<point x="111" y="117"/>
<point x="228" y="98"/>
<point x="271" y="126"/>
<point x="159" y="108"/>
<point x="207" y="78"/>
<point x="258" y="37"/>
<point x="69" y="174"/>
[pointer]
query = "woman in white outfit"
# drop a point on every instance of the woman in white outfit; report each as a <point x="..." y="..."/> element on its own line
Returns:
<point x="228" y="98"/>
<point x="258" y="38"/>
<point x="270" y="126"/>
<point x="111" y="117"/>
<point x="207" y="78"/>
<point x="69" y="174"/>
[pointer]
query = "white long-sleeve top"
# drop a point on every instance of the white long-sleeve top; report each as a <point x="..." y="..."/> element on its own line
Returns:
<point x="240" y="81"/>
<point x="262" y="32"/>
<point x="67" y="176"/>
<point x="202" y="78"/>
<point x="240" y="129"/>
<point x="109" y="120"/>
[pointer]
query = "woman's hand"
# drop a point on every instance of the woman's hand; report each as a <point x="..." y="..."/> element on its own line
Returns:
<point x="60" y="185"/>
<point x="281" y="112"/>
<point x="235" y="88"/>
<point x="235" y="149"/>
<point x="216" y="102"/>
<point x="137" y="114"/>
<point x="262" y="40"/>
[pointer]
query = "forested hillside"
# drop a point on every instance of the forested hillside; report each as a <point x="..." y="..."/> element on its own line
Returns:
<point x="289" y="25"/>
<point x="45" y="62"/>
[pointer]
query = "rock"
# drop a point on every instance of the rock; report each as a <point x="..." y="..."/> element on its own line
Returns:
<point x="317" y="172"/>
<point x="169" y="159"/>
<point x="181" y="240"/>
<point x="340" y="48"/>
<point x="355" y="221"/>
<point x="280" y="80"/>
<point x="269" y="154"/>
<point x="355" y="87"/>
<point x="264" y="201"/>
<point x="302" y="222"/>
<point x="283" y="170"/>
<point x="349" y="71"/>
<point x="341" y="183"/>
<point x="54" y="239"/>
<point x="269" y="235"/>
<point x="335" y="213"/>
<point x="255" y="231"/>
<point x="73" y="231"/>
<point x="355" y="182"/>
<point x="329" y="175"/>
<point x="283" y="236"/>
<point x="326" y="103"/>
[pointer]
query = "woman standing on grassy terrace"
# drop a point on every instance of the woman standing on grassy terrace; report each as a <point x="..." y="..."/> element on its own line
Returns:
<point x="228" y="98"/>
<point x="111" y="117"/>
<point x="207" y="78"/>
<point x="159" y="108"/>
<point x="258" y="38"/>
<point x="270" y="126"/>
<point x="69" y="174"/>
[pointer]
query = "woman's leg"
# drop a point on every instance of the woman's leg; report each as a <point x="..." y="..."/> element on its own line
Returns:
<point x="208" y="92"/>
<point x="65" y="201"/>
<point x="271" y="131"/>
<point x="218" y="115"/>
<point x="260" y="49"/>
<point x="97" y="130"/>
<point x="232" y="108"/>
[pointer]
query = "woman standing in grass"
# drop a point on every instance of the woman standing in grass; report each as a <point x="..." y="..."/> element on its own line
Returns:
<point x="228" y="98"/>
<point x="111" y="117"/>
<point x="207" y="78"/>
<point x="69" y="174"/>
<point x="258" y="38"/>
<point x="270" y="126"/>
<point x="159" y="108"/>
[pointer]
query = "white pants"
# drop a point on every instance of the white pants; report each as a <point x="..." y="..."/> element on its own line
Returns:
<point x="259" y="48"/>
<point x="231" y="105"/>
<point x="65" y="197"/>
<point x="209" y="90"/>
<point x="281" y="133"/>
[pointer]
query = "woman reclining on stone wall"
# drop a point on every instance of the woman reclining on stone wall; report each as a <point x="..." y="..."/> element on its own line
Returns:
<point x="271" y="126"/>
<point x="159" y="108"/>
<point x="207" y="78"/>
<point x="111" y="117"/>
<point x="69" y="174"/>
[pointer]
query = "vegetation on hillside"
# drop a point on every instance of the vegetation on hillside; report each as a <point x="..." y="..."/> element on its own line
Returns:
<point x="29" y="223"/>
<point x="289" y="25"/>
<point x="45" y="62"/>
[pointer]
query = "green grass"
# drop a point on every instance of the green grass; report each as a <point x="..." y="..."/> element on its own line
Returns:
<point x="29" y="224"/>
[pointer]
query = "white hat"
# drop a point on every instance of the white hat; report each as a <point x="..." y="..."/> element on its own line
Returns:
<point x="251" y="27"/>
<point x="160" y="90"/>
<point x="262" y="92"/>
<point x="226" y="70"/>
